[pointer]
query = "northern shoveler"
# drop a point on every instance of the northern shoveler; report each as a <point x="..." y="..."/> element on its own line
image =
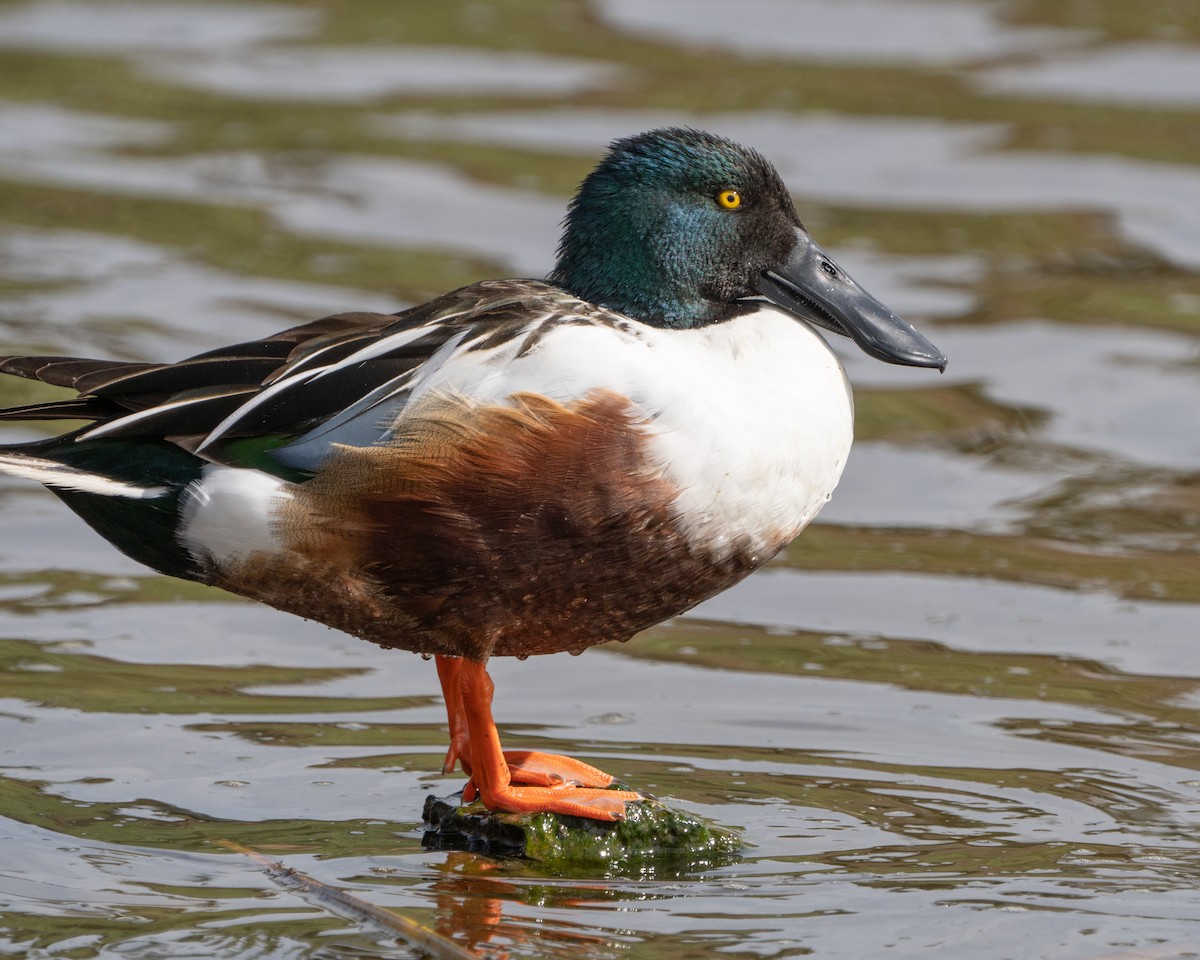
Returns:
<point x="517" y="467"/>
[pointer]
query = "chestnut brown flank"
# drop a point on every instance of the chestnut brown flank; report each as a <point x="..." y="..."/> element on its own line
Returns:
<point x="505" y="530"/>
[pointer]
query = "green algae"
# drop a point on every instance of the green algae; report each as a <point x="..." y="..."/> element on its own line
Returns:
<point x="651" y="834"/>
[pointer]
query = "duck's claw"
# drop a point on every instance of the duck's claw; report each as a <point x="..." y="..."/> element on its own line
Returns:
<point x="459" y="751"/>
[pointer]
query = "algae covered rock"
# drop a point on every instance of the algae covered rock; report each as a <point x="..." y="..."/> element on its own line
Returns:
<point x="651" y="833"/>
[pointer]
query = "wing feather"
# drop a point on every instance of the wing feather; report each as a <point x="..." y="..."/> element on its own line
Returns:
<point x="334" y="380"/>
<point x="77" y="408"/>
<point x="67" y="371"/>
<point x="177" y="415"/>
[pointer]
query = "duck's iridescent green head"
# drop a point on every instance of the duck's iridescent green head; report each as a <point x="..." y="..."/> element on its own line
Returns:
<point x="677" y="228"/>
<point x="672" y="227"/>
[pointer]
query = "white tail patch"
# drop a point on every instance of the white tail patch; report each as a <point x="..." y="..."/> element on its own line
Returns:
<point x="231" y="513"/>
<point x="60" y="475"/>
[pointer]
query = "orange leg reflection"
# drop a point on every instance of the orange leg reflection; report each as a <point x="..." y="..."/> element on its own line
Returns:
<point x="472" y="895"/>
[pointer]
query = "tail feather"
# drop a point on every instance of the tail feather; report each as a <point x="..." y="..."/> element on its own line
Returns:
<point x="128" y="491"/>
<point x="62" y="476"/>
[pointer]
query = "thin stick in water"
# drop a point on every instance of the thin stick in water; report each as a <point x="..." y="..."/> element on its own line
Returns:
<point x="417" y="935"/>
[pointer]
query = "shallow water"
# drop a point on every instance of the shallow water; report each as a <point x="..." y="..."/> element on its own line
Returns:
<point x="959" y="716"/>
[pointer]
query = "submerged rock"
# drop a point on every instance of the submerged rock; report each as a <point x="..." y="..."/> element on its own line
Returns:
<point x="651" y="833"/>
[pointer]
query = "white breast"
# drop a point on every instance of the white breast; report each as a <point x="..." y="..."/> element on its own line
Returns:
<point x="751" y="419"/>
<point x="757" y="431"/>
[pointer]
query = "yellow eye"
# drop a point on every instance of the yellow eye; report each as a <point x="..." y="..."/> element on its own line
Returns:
<point x="729" y="199"/>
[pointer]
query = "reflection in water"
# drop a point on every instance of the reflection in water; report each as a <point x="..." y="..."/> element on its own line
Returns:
<point x="975" y="493"/>
<point x="469" y="909"/>
<point x="893" y="163"/>
<point x="916" y="31"/>
<point x="1152" y="74"/>
<point x="117" y="26"/>
<point x="1112" y="392"/>
<point x="352" y="74"/>
<point x="357" y="198"/>
<point x="484" y="905"/>
<point x="34" y="135"/>
<point x="961" y="718"/>
<point x="117" y="280"/>
<point x="971" y="614"/>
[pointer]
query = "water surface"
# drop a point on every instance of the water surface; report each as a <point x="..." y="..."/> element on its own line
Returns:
<point x="960" y="716"/>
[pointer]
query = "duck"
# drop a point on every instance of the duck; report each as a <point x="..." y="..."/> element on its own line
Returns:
<point x="518" y="467"/>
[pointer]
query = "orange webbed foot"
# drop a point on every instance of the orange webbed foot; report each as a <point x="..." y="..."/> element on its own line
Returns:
<point x="517" y="781"/>
<point x="564" y="799"/>
<point x="535" y="769"/>
<point x="549" y="770"/>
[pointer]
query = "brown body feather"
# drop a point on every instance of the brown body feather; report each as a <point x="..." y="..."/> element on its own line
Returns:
<point x="507" y="530"/>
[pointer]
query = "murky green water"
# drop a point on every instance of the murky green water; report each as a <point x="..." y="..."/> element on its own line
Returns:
<point x="959" y="718"/>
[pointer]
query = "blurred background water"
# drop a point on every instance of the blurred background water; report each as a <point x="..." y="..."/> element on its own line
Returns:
<point x="959" y="717"/>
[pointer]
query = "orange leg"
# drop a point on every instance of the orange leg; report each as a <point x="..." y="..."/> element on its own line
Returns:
<point x="449" y="670"/>
<point x="524" y="766"/>
<point x="546" y="782"/>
